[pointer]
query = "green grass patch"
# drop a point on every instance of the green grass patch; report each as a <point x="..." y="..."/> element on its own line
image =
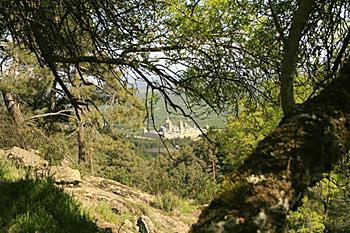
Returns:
<point x="103" y="212"/>
<point x="188" y="206"/>
<point x="10" y="172"/>
<point x="30" y="205"/>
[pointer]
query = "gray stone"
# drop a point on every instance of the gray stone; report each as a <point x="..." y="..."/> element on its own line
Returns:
<point x="128" y="224"/>
<point x="65" y="175"/>
<point x="26" y="158"/>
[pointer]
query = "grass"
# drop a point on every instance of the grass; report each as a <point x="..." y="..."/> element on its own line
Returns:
<point x="103" y="212"/>
<point x="188" y="206"/>
<point x="9" y="172"/>
<point x="169" y="202"/>
<point x="33" y="204"/>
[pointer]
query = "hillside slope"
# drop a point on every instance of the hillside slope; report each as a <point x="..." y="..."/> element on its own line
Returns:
<point x="127" y="206"/>
<point x="111" y="206"/>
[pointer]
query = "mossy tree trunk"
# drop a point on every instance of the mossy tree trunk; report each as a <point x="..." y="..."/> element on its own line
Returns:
<point x="306" y="144"/>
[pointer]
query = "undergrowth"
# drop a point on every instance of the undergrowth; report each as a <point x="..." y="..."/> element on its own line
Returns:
<point x="167" y="201"/>
<point x="37" y="205"/>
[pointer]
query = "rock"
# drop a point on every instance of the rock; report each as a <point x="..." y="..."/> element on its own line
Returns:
<point x="26" y="158"/>
<point x="96" y="192"/>
<point x="128" y="224"/>
<point x="126" y="191"/>
<point x="65" y="175"/>
<point x="107" y="227"/>
<point x="120" y="189"/>
<point x="65" y="162"/>
<point x="145" y="225"/>
<point x="35" y="151"/>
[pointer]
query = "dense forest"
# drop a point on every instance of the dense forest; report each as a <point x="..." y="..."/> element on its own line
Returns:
<point x="271" y="78"/>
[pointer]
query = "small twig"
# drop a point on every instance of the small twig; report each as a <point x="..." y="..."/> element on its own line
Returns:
<point x="277" y="23"/>
<point x="121" y="227"/>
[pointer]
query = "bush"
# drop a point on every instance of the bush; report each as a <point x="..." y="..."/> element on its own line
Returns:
<point x="28" y="138"/>
<point x="167" y="201"/>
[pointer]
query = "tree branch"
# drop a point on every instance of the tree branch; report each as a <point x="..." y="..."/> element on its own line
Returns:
<point x="91" y="59"/>
<point x="276" y="22"/>
<point x="290" y="55"/>
<point x="50" y="114"/>
<point x="341" y="53"/>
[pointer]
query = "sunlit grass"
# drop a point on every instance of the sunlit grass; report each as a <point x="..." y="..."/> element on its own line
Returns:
<point x="33" y="204"/>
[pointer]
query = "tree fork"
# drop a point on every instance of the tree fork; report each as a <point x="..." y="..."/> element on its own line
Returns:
<point x="273" y="179"/>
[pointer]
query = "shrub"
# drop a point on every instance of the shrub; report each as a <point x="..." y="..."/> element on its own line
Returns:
<point x="167" y="201"/>
<point x="28" y="138"/>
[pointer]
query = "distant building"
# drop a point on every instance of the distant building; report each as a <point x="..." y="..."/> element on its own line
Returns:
<point x="168" y="130"/>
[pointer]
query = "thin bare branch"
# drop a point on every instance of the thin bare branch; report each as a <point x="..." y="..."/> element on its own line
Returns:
<point x="61" y="112"/>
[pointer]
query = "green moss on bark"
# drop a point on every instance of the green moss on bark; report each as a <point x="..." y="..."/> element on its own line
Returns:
<point x="273" y="179"/>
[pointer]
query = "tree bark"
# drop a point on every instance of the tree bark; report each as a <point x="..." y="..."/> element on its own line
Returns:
<point x="11" y="103"/>
<point x="91" y="161"/>
<point x="81" y="142"/>
<point x="14" y="111"/>
<point x="12" y="107"/>
<point x="53" y="96"/>
<point x="258" y="196"/>
<point x="214" y="171"/>
<point x="290" y="55"/>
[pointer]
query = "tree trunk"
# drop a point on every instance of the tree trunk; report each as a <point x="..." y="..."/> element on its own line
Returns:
<point x="11" y="103"/>
<point x="13" y="107"/>
<point x="81" y="142"/>
<point x="214" y="171"/>
<point x="91" y="161"/>
<point x="53" y="96"/>
<point x="14" y="111"/>
<point x="258" y="196"/>
<point x="290" y="55"/>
